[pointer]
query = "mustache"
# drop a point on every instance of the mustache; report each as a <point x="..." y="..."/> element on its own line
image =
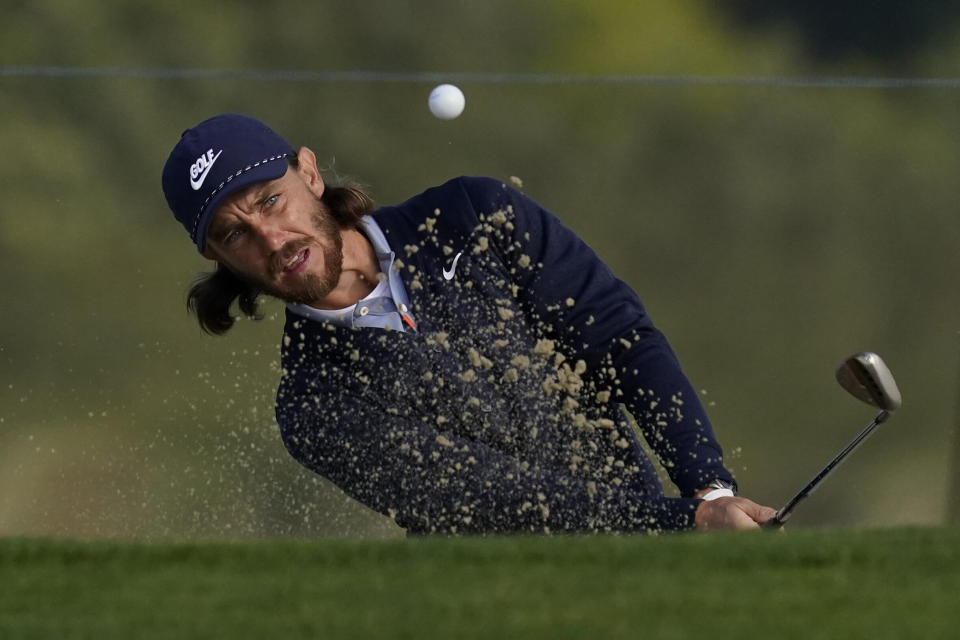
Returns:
<point x="280" y="257"/>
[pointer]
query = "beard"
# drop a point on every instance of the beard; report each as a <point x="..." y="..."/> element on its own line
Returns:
<point x="307" y="288"/>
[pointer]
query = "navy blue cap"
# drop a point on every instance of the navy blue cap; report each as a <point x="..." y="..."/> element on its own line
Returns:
<point x="214" y="159"/>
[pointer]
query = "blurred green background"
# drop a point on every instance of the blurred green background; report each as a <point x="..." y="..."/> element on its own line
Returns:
<point x="770" y="230"/>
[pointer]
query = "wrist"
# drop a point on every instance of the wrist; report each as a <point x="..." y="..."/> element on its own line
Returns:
<point x="717" y="489"/>
<point x="713" y="494"/>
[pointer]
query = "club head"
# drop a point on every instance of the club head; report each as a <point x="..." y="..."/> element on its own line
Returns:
<point x="865" y="376"/>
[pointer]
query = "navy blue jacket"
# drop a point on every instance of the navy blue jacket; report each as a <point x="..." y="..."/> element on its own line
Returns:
<point x="504" y="411"/>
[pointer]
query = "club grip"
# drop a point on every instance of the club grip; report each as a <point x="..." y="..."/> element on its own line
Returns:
<point x="773" y="524"/>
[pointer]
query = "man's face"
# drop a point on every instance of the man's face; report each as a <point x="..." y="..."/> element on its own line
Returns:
<point x="280" y="237"/>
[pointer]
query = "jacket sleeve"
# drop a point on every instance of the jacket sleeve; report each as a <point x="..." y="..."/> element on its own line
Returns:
<point x="601" y="320"/>
<point x="432" y="482"/>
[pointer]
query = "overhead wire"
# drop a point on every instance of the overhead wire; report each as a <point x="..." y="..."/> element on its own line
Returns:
<point x="468" y="77"/>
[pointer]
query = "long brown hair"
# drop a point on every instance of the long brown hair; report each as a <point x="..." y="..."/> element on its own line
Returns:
<point x="212" y="294"/>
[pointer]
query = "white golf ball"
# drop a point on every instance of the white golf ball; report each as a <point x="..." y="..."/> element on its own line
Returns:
<point x="446" y="101"/>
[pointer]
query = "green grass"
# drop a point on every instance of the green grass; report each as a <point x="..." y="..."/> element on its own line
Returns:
<point x="808" y="584"/>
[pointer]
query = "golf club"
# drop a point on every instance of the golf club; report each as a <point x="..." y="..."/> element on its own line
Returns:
<point x="866" y="377"/>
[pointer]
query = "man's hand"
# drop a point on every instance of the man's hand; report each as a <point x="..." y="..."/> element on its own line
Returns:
<point x="731" y="513"/>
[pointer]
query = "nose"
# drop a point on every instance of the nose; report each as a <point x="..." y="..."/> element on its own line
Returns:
<point x="271" y="236"/>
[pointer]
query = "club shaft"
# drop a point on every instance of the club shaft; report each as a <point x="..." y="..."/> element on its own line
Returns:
<point x="784" y="513"/>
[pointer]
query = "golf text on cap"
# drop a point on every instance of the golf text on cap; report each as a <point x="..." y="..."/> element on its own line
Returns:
<point x="202" y="166"/>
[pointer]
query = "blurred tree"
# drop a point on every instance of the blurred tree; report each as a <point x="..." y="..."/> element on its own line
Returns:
<point x="953" y="492"/>
<point x="886" y="30"/>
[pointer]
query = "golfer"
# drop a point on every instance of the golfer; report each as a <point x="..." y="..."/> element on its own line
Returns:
<point x="461" y="362"/>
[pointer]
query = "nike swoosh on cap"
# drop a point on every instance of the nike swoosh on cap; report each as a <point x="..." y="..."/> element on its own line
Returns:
<point x="198" y="182"/>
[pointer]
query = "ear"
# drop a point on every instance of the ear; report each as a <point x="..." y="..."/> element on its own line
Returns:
<point x="309" y="171"/>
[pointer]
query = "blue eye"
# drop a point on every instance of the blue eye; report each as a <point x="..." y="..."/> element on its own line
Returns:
<point x="272" y="200"/>
<point x="232" y="235"/>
